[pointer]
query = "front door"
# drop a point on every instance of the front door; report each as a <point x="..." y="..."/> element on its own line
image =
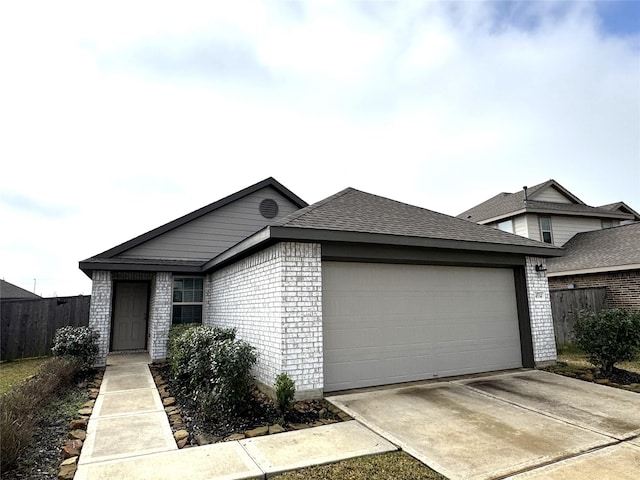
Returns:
<point x="130" y="316"/>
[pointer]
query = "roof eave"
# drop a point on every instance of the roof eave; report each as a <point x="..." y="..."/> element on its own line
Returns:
<point x="585" y="271"/>
<point x="273" y="234"/>
<point x="309" y="234"/>
<point x="550" y="211"/>
<point x="88" y="267"/>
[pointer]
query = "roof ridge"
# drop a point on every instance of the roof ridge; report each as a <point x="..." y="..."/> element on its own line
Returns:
<point x="310" y="208"/>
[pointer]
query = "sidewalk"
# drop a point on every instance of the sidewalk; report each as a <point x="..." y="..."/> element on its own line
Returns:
<point x="129" y="437"/>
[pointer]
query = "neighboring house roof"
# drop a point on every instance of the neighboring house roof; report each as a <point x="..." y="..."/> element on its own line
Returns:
<point x="9" y="291"/>
<point x="505" y="205"/>
<point x="610" y="249"/>
<point x="355" y="216"/>
<point x="622" y="207"/>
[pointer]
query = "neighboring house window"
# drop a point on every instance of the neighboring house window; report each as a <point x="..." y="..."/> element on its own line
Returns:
<point x="545" y="230"/>
<point x="607" y="223"/>
<point x="506" y="226"/>
<point x="187" y="300"/>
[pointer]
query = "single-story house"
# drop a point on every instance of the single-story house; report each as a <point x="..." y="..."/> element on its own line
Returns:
<point x="355" y="290"/>
<point x="602" y="258"/>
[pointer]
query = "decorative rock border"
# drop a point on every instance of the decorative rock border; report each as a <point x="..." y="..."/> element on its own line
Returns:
<point x="327" y="415"/>
<point x="78" y="429"/>
<point x="590" y="374"/>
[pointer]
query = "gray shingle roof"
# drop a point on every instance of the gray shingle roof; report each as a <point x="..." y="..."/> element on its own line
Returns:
<point x="611" y="247"/>
<point x="352" y="210"/>
<point x="10" y="291"/>
<point x="505" y="204"/>
<point x="621" y="207"/>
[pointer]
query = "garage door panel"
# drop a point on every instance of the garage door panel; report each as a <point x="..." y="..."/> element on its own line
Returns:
<point x="394" y="323"/>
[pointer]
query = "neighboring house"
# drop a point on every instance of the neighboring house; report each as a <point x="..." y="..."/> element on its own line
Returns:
<point x="355" y="290"/>
<point x="603" y="258"/>
<point x="547" y="212"/>
<point x="9" y="291"/>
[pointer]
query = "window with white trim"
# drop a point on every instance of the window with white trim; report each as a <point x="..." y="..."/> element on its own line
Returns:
<point x="607" y="223"/>
<point x="506" y="226"/>
<point x="545" y="230"/>
<point x="187" y="300"/>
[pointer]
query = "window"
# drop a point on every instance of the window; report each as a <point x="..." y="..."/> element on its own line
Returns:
<point x="506" y="226"/>
<point x="607" y="223"/>
<point x="187" y="300"/>
<point x="545" y="230"/>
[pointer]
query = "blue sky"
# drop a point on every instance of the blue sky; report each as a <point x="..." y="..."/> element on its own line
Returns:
<point x="119" y="117"/>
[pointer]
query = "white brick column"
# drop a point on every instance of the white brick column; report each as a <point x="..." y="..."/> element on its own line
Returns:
<point x="302" y="317"/>
<point x="542" y="332"/>
<point x="160" y="305"/>
<point x="274" y="300"/>
<point x="100" y="312"/>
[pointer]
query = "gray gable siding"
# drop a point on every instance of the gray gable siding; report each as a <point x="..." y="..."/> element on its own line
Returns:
<point x="211" y="234"/>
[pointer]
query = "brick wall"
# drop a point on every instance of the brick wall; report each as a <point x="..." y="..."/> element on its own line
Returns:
<point x="160" y="303"/>
<point x="623" y="288"/>
<point x="100" y="312"/>
<point x="544" y="345"/>
<point x="274" y="299"/>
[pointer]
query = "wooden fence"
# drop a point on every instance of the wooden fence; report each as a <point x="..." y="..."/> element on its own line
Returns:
<point x="567" y="304"/>
<point x="27" y="327"/>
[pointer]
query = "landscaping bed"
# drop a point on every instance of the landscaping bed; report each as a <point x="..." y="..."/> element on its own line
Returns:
<point x="57" y="424"/>
<point x="573" y="363"/>
<point x="260" y="418"/>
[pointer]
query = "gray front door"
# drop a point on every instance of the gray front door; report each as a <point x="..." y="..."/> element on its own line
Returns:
<point x="130" y="316"/>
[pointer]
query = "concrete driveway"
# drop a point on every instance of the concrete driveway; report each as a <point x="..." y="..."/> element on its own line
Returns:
<point x="521" y="425"/>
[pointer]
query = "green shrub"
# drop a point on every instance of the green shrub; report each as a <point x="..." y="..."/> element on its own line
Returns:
<point x="213" y="368"/>
<point x="19" y="406"/>
<point x="609" y="337"/>
<point x="78" y="342"/>
<point x="285" y="392"/>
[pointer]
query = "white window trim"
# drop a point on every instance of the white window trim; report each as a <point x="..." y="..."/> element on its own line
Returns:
<point x="180" y="277"/>
<point x="542" y="231"/>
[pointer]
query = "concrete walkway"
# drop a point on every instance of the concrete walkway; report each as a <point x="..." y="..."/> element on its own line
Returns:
<point x="129" y="437"/>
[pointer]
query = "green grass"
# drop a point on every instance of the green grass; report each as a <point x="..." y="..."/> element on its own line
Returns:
<point x="573" y="356"/>
<point x="15" y="372"/>
<point x="388" y="466"/>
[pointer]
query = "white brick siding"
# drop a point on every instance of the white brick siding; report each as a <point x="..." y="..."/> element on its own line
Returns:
<point x="100" y="312"/>
<point x="542" y="333"/>
<point x="160" y="303"/>
<point x="274" y="299"/>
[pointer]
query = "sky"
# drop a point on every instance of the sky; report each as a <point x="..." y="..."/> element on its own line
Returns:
<point x="117" y="117"/>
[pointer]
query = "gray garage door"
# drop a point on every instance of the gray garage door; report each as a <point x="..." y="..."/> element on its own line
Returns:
<point x="388" y="323"/>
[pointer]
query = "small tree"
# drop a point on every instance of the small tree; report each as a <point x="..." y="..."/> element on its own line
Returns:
<point x="608" y="337"/>
<point x="285" y="392"/>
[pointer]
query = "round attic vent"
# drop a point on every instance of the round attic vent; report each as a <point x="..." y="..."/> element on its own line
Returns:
<point x="268" y="208"/>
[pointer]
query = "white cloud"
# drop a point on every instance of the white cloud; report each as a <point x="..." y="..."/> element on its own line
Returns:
<point x="128" y="115"/>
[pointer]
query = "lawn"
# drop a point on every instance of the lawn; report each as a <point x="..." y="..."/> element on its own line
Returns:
<point x="388" y="466"/>
<point x="575" y="357"/>
<point x="17" y="371"/>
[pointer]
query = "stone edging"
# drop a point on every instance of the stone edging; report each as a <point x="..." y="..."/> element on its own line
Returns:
<point x="183" y="437"/>
<point x="78" y="429"/>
